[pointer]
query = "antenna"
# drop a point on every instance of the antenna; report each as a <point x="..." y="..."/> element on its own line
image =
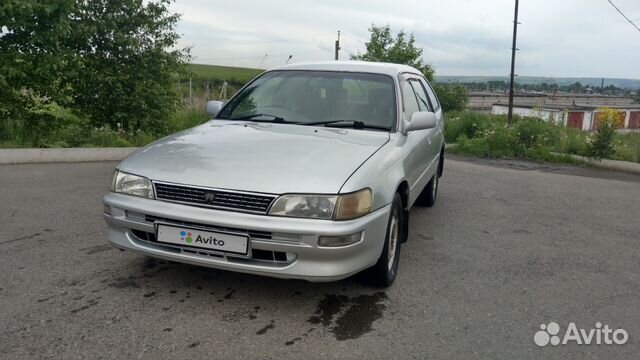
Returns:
<point x="262" y="62"/>
<point x="289" y="58"/>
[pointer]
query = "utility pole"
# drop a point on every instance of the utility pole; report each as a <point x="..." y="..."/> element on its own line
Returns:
<point x="190" y="93"/>
<point x="338" y="45"/>
<point x="602" y="86"/>
<point x="513" y="63"/>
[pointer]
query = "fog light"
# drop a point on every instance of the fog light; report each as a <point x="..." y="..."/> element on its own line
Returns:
<point x="341" y="240"/>
<point x="107" y="209"/>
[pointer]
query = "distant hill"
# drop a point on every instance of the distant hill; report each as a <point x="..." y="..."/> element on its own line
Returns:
<point x="532" y="80"/>
<point x="239" y="76"/>
<point x="234" y="75"/>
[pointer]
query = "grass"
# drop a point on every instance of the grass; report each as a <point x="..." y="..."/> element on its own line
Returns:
<point x="185" y="118"/>
<point x="207" y="80"/>
<point x="484" y="135"/>
<point x="234" y="75"/>
<point x="627" y="147"/>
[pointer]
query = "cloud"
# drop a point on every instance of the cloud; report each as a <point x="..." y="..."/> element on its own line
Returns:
<point x="463" y="37"/>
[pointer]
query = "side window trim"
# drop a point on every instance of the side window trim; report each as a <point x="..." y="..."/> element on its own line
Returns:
<point x="431" y="92"/>
<point x="426" y="101"/>
<point x="406" y="79"/>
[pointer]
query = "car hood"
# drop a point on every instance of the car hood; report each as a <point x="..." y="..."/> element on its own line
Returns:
<point x="260" y="157"/>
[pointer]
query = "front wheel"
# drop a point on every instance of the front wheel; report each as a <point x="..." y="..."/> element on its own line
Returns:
<point x="384" y="272"/>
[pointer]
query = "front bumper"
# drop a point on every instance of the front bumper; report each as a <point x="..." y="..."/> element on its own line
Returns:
<point x="294" y="242"/>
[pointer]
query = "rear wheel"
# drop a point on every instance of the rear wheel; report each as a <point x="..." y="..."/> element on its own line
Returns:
<point x="429" y="194"/>
<point x="384" y="272"/>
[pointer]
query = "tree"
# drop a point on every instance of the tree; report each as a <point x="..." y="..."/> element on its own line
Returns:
<point x="576" y="88"/>
<point x="111" y="61"/>
<point x="607" y="120"/>
<point x="452" y="97"/>
<point x="31" y="56"/>
<point x="382" y="47"/>
<point x="127" y="74"/>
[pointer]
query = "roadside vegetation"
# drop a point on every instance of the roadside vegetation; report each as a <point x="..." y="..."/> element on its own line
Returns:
<point x="485" y="135"/>
<point x="108" y="74"/>
<point x="91" y="72"/>
<point x="64" y="129"/>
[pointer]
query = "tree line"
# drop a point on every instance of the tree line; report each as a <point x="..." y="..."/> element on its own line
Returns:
<point x="87" y="63"/>
<point x="70" y="67"/>
<point x="574" y="88"/>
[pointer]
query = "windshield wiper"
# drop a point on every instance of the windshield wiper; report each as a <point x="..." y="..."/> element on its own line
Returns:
<point x="347" y="123"/>
<point x="276" y="119"/>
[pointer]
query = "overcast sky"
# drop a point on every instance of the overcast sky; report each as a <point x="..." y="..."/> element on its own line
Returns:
<point x="575" y="38"/>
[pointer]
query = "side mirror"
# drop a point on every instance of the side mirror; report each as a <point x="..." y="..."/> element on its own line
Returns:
<point x="422" y="120"/>
<point x="213" y="107"/>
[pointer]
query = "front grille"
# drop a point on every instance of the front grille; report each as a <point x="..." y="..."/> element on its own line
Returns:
<point x="255" y="203"/>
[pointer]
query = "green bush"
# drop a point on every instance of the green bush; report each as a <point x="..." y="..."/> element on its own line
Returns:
<point x="627" y="147"/>
<point x="602" y="145"/>
<point x="502" y="142"/>
<point x="47" y="124"/>
<point x="451" y="97"/>
<point x="532" y="132"/>
<point x="572" y="141"/>
<point x="186" y="118"/>
<point x="50" y="125"/>
<point x="475" y="146"/>
<point x="487" y="135"/>
<point x="468" y="124"/>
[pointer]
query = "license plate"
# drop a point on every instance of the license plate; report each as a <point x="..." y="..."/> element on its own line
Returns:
<point x="201" y="239"/>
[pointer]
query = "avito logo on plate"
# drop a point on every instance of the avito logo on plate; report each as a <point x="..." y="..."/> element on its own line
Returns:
<point x="600" y="335"/>
<point x="186" y="236"/>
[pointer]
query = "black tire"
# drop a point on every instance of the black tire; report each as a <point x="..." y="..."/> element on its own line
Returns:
<point x="441" y="163"/>
<point x="429" y="194"/>
<point x="382" y="274"/>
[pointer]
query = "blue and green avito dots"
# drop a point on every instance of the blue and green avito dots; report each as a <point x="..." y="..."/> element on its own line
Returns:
<point x="186" y="236"/>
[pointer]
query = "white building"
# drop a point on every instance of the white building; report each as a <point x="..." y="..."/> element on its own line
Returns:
<point x="583" y="117"/>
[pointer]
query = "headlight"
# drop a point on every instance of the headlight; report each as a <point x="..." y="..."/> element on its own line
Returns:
<point x="305" y="206"/>
<point x="354" y="205"/>
<point x="132" y="185"/>
<point x="336" y="207"/>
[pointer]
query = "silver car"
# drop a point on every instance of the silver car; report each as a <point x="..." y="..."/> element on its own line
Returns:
<point x="308" y="172"/>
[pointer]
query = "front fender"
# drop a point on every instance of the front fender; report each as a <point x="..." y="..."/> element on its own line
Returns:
<point x="383" y="172"/>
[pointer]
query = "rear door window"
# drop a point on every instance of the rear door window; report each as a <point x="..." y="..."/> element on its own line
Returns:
<point x="409" y="100"/>
<point x="423" y="99"/>
<point x="432" y="95"/>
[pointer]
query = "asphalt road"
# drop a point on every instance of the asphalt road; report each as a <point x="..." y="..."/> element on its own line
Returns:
<point x="508" y="247"/>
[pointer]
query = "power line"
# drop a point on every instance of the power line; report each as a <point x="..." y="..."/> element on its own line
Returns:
<point x="623" y="15"/>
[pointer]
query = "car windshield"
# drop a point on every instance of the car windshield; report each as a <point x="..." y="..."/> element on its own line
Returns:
<point x="361" y="100"/>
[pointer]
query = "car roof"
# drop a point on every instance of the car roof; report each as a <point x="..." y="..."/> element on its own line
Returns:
<point x="351" y="66"/>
